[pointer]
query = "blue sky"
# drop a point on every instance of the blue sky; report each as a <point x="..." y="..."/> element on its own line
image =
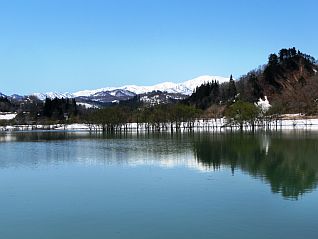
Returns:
<point x="70" y="45"/>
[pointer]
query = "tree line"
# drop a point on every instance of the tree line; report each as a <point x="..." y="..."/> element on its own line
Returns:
<point x="155" y="118"/>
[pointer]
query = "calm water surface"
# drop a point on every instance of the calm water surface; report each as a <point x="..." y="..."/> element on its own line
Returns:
<point x="222" y="185"/>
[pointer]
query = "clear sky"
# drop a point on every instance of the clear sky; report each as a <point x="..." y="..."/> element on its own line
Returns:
<point x="70" y="45"/>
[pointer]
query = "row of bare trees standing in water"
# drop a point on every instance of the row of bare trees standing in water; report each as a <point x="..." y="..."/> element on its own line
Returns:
<point x="179" y="116"/>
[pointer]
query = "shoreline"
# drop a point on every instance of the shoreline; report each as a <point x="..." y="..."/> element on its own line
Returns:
<point x="219" y="124"/>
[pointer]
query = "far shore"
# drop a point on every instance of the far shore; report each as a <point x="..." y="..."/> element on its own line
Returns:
<point x="284" y="122"/>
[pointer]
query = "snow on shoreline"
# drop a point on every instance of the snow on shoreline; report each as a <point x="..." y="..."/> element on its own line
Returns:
<point x="199" y="125"/>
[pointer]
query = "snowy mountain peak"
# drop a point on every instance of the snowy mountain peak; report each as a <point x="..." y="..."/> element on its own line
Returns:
<point x="204" y="79"/>
<point x="52" y="95"/>
<point x="185" y="88"/>
<point x="111" y="94"/>
<point x="121" y="93"/>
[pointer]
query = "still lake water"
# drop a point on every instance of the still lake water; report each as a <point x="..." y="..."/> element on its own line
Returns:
<point x="217" y="185"/>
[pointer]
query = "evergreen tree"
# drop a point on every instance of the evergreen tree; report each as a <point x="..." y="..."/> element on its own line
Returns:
<point x="256" y="89"/>
<point x="57" y="108"/>
<point x="273" y="60"/>
<point x="232" y="89"/>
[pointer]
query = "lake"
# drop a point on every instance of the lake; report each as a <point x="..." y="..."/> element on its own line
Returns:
<point x="185" y="185"/>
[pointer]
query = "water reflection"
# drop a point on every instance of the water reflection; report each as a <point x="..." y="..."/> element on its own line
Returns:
<point x="287" y="162"/>
<point x="43" y="148"/>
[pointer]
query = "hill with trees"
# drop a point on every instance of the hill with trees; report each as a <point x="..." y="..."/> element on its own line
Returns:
<point x="289" y="80"/>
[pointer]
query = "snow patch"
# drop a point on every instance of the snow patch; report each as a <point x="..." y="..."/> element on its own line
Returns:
<point x="73" y="127"/>
<point x="7" y="116"/>
<point x="264" y="105"/>
<point x="86" y="105"/>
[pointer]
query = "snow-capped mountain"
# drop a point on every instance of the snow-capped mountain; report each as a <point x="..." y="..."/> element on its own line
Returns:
<point x="121" y="93"/>
<point x="106" y="96"/>
<point x="185" y="88"/>
<point x="14" y="97"/>
<point x="52" y="95"/>
<point x="17" y="97"/>
<point x="170" y="91"/>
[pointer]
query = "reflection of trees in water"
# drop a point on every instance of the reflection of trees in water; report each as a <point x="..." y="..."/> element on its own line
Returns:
<point x="35" y="148"/>
<point x="289" y="163"/>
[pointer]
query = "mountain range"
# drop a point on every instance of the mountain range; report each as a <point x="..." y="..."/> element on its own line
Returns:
<point x="185" y="88"/>
<point x="167" y="90"/>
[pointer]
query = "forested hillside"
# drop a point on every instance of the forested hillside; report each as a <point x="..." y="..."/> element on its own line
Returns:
<point x="289" y="80"/>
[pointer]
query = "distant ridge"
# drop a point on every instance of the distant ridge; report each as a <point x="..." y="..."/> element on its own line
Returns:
<point x="185" y="88"/>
